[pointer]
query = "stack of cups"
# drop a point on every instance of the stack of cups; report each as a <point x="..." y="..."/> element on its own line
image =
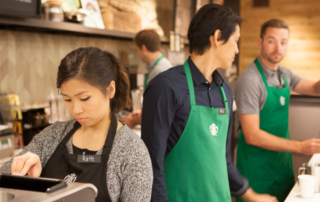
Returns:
<point x="315" y="170"/>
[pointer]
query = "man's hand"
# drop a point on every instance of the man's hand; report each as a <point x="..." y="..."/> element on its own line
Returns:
<point x="311" y="146"/>
<point x="133" y="118"/>
<point x="28" y="163"/>
<point x="251" y="196"/>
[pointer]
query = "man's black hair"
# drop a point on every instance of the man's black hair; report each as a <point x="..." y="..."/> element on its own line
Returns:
<point x="207" y="20"/>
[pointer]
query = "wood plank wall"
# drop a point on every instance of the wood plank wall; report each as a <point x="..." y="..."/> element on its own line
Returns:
<point x="29" y="60"/>
<point x="303" y="17"/>
<point x="165" y="15"/>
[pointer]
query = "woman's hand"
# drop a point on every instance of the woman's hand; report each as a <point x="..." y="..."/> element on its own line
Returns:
<point x="28" y="163"/>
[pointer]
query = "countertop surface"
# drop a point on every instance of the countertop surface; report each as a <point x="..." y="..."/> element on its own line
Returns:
<point x="16" y="152"/>
<point x="294" y="195"/>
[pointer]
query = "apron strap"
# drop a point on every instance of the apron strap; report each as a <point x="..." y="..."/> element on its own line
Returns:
<point x="264" y="79"/>
<point x="65" y="140"/>
<point x="109" y="140"/>
<point x="224" y="97"/>
<point x="285" y="81"/>
<point x="190" y="82"/>
<point x="111" y="134"/>
<point x="186" y="68"/>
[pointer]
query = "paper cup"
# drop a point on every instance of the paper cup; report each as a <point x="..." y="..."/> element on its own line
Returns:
<point x="306" y="183"/>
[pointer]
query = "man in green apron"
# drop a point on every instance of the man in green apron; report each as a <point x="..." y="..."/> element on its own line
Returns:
<point x="262" y="96"/>
<point x="187" y="115"/>
<point x="148" y="45"/>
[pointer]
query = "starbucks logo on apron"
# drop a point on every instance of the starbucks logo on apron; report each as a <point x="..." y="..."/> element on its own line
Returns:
<point x="214" y="129"/>
<point x="70" y="178"/>
<point x="282" y="100"/>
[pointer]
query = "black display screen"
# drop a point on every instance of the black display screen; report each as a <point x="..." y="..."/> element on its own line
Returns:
<point x="20" y="8"/>
<point x="29" y="183"/>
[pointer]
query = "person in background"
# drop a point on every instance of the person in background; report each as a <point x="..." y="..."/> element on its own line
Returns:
<point x="262" y="96"/>
<point x="148" y="45"/>
<point x="95" y="87"/>
<point x="187" y="118"/>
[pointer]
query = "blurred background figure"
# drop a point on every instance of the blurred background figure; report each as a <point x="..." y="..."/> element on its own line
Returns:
<point x="148" y="45"/>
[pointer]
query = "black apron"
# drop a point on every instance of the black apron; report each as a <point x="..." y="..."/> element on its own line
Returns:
<point x="63" y="165"/>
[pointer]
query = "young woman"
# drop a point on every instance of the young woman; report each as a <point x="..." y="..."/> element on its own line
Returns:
<point x="94" y="87"/>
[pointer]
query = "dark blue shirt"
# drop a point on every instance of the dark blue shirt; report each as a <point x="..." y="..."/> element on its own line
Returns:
<point x="166" y="108"/>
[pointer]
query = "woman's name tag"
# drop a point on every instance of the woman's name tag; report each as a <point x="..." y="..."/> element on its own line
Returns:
<point x="89" y="158"/>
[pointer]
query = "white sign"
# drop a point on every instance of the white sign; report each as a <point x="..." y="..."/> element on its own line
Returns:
<point x="92" y="10"/>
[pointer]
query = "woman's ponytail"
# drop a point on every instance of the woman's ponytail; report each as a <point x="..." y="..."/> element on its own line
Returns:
<point x="121" y="98"/>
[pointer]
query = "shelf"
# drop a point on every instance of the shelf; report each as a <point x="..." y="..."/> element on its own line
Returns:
<point x="6" y="132"/>
<point x="38" y="25"/>
<point x="24" y="107"/>
<point x="36" y="127"/>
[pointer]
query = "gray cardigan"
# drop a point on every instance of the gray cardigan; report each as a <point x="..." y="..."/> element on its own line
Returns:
<point x="129" y="172"/>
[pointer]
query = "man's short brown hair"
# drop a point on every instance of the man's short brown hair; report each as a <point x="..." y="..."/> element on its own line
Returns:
<point x="276" y="23"/>
<point x="149" y="38"/>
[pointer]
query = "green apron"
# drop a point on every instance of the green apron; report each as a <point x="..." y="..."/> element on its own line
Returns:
<point x="196" y="168"/>
<point x="146" y="79"/>
<point x="269" y="171"/>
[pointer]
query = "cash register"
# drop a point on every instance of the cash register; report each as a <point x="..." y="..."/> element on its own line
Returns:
<point x="30" y="189"/>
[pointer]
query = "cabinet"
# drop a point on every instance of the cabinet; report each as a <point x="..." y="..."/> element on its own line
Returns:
<point x="33" y="122"/>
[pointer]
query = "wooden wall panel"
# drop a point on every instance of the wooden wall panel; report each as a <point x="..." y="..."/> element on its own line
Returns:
<point x="165" y="15"/>
<point x="29" y="60"/>
<point x="303" y="17"/>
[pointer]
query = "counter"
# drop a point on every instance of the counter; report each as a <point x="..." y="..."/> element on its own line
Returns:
<point x="304" y="116"/>
<point x="294" y="195"/>
<point x="4" y="160"/>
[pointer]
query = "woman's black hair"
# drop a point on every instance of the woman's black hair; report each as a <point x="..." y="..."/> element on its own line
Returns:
<point x="207" y="20"/>
<point x="98" y="68"/>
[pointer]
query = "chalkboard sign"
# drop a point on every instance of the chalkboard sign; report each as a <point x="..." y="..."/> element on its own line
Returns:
<point x="21" y="8"/>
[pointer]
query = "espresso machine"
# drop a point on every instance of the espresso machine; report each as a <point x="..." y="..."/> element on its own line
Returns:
<point x="30" y="189"/>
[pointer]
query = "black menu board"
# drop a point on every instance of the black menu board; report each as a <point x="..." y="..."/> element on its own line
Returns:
<point x="20" y="8"/>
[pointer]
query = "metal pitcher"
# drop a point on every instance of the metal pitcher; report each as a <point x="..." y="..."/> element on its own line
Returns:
<point x="306" y="169"/>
